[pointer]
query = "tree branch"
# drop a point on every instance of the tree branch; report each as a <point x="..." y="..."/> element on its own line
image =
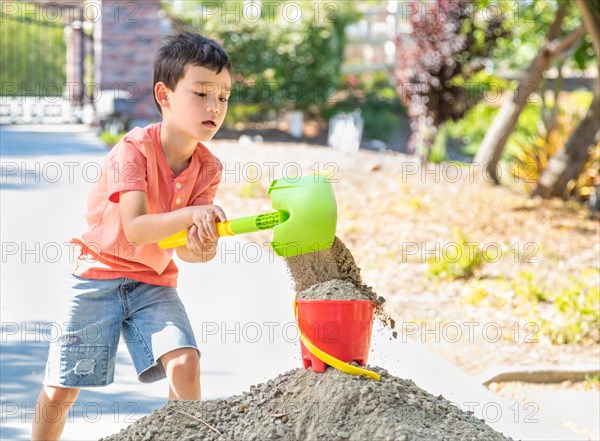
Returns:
<point x="591" y="17"/>
<point x="556" y="26"/>
<point x="555" y="47"/>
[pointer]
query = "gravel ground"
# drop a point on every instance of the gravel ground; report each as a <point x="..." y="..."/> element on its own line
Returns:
<point x="303" y="405"/>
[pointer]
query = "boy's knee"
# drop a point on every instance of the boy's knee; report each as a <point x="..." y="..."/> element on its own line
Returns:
<point x="61" y="394"/>
<point x="182" y="361"/>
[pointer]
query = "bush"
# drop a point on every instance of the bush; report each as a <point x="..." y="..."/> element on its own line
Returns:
<point x="374" y="95"/>
<point x="448" y="45"/>
<point x="111" y="139"/>
<point x="469" y="258"/>
<point x="533" y="152"/>
<point x="278" y="65"/>
<point x="568" y="312"/>
<point x="564" y="310"/>
<point x="469" y="131"/>
<point x="37" y="63"/>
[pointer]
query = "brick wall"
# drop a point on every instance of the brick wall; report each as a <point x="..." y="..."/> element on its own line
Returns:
<point x="126" y="38"/>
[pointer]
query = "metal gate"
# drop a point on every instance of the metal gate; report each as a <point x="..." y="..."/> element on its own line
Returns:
<point x="44" y="49"/>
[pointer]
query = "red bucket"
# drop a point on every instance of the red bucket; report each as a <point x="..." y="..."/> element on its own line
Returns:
<point x="341" y="328"/>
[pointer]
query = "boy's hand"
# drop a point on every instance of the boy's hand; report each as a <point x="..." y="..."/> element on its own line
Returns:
<point x="198" y="246"/>
<point x="204" y="229"/>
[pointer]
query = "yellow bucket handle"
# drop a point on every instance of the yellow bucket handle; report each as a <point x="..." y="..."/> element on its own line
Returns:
<point x="329" y="359"/>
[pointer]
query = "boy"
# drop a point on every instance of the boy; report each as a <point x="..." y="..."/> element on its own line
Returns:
<point x="157" y="181"/>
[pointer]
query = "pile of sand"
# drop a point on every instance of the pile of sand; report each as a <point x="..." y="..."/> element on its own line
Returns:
<point x="303" y="405"/>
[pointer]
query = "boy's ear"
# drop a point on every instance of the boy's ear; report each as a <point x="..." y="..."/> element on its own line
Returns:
<point x="161" y="94"/>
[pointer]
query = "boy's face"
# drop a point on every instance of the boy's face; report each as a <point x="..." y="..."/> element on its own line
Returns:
<point x="198" y="104"/>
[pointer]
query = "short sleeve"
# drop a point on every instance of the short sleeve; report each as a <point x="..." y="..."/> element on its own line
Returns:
<point x="126" y="169"/>
<point x="208" y="195"/>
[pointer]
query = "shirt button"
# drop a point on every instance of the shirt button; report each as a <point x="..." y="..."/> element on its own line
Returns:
<point x="178" y="185"/>
<point x="178" y="201"/>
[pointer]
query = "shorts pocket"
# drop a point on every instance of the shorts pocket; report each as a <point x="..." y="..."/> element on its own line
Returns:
<point x="84" y="366"/>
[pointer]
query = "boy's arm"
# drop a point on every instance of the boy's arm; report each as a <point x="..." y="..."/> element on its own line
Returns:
<point x="142" y="228"/>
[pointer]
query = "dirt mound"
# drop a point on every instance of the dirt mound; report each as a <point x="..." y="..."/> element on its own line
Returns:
<point x="303" y="405"/>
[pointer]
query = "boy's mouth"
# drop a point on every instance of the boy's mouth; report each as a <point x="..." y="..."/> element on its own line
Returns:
<point x="209" y="123"/>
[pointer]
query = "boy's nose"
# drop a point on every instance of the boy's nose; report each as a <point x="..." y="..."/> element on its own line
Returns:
<point x="213" y="106"/>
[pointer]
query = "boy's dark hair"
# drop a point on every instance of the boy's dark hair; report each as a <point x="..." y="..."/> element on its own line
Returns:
<point x="183" y="49"/>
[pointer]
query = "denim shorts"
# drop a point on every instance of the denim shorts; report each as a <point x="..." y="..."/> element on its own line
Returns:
<point x="151" y="319"/>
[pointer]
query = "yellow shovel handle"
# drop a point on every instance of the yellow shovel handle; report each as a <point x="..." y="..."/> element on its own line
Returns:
<point x="329" y="359"/>
<point x="180" y="239"/>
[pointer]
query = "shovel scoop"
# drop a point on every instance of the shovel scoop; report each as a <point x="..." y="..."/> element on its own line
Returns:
<point x="303" y="222"/>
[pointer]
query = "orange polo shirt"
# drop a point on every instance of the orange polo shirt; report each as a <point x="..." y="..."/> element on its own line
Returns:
<point x="137" y="162"/>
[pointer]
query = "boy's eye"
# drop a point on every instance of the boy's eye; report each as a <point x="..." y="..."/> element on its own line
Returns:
<point x="224" y="100"/>
<point x="202" y="94"/>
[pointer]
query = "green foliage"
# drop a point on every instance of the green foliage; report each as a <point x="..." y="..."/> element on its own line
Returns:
<point x="469" y="131"/>
<point x="460" y="261"/>
<point x="373" y="94"/>
<point x="279" y="64"/>
<point x="446" y="49"/>
<point x="438" y="149"/>
<point x="592" y="379"/>
<point x="526" y="287"/>
<point x="534" y="151"/>
<point x="32" y="54"/>
<point x="477" y="296"/>
<point x="528" y="24"/>
<point x="578" y="307"/>
<point x="564" y="310"/>
<point x="568" y="310"/>
<point x="111" y="139"/>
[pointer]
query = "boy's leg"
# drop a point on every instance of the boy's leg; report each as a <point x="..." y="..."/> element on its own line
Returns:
<point x="161" y="340"/>
<point x="84" y="353"/>
<point x="51" y="411"/>
<point x="182" y="367"/>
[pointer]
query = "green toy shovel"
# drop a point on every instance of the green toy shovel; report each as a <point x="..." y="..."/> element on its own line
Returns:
<point x="304" y="220"/>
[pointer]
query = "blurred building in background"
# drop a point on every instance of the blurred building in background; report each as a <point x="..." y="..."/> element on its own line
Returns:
<point x="371" y="42"/>
<point x="78" y="61"/>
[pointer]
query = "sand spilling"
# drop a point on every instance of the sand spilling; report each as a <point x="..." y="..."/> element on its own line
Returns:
<point x="333" y="274"/>
<point x="302" y="405"/>
<point x="311" y="269"/>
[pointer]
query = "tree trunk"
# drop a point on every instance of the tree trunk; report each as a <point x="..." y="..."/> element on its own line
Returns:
<point x="493" y="143"/>
<point x="568" y="162"/>
<point x="566" y="165"/>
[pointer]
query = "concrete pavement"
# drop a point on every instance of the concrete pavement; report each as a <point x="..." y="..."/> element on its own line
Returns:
<point x="240" y="305"/>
